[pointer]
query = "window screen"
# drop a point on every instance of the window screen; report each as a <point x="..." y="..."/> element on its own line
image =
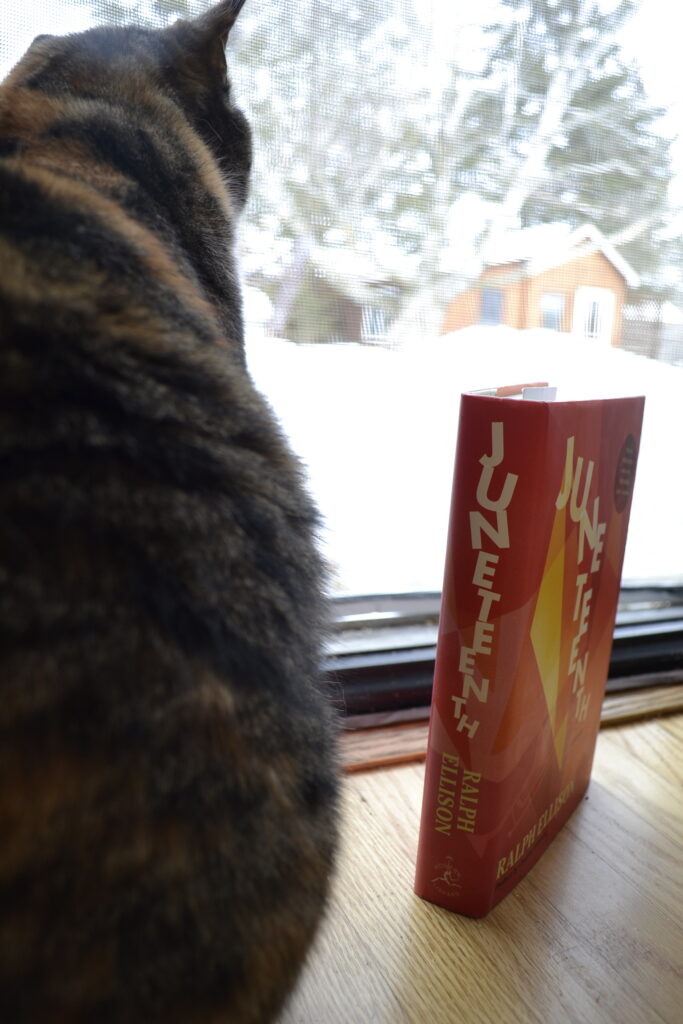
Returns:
<point x="404" y="149"/>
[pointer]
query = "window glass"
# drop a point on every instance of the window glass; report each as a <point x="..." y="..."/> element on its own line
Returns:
<point x="402" y="148"/>
<point x="491" y="306"/>
<point x="552" y="310"/>
<point x="594" y="312"/>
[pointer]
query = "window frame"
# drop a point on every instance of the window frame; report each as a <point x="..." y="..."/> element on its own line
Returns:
<point x="381" y="652"/>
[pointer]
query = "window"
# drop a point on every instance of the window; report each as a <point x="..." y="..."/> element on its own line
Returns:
<point x="594" y="313"/>
<point x="374" y="323"/>
<point x="394" y="142"/>
<point x="491" y="306"/>
<point x="552" y="310"/>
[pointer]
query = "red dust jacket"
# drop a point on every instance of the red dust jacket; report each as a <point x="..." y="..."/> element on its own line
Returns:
<point x="539" y="513"/>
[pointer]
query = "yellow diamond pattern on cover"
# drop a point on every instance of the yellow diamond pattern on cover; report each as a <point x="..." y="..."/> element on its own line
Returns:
<point x="546" y="630"/>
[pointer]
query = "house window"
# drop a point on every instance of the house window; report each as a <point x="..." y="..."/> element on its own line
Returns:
<point x="374" y="323"/>
<point x="594" y="310"/>
<point x="491" y="306"/>
<point x="592" y="324"/>
<point x="552" y="310"/>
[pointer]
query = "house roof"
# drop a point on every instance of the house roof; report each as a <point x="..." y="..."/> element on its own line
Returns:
<point x="550" y="245"/>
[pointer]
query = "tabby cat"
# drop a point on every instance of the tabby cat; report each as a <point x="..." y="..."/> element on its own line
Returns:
<point x="167" y="751"/>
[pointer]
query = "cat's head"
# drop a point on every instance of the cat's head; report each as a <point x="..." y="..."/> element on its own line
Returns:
<point x="184" y="63"/>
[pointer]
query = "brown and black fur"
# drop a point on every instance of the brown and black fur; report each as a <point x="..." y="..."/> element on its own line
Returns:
<point x="167" y="773"/>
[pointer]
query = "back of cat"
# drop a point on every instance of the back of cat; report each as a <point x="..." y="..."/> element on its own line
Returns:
<point x="167" y="768"/>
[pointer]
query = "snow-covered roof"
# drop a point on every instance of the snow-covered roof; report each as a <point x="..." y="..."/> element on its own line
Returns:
<point x="550" y="245"/>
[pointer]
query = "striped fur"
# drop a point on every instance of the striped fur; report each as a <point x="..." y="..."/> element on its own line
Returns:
<point x="167" y="768"/>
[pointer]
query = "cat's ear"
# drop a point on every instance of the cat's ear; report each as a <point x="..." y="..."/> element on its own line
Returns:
<point x="216" y="23"/>
<point x="204" y="38"/>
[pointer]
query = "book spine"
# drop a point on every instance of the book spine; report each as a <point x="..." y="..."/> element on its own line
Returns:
<point x="466" y="778"/>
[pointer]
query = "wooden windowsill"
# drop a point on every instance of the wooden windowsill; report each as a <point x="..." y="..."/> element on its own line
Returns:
<point x="406" y="742"/>
<point x="594" y="933"/>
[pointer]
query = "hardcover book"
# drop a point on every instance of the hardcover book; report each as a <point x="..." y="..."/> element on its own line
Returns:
<point x="539" y="514"/>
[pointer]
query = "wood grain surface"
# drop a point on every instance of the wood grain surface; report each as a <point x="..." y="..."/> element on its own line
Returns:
<point x="594" y="933"/>
<point x="406" y="742"/>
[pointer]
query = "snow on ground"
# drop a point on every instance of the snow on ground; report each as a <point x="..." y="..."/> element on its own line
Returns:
<point x="377" y="431"/>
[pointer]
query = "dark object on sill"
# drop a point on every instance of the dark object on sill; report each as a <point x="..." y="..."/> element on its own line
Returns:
<point x="382" y="656"/>
<point x="400" y="737"/>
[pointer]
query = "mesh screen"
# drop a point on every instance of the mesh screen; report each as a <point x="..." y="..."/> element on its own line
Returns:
<point x="447" y="196"/>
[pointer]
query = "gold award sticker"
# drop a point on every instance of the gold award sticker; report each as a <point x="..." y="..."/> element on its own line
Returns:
<point x="625" y="475"/>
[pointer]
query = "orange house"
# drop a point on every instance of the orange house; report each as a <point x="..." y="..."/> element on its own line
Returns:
<point x="548" y="276"/>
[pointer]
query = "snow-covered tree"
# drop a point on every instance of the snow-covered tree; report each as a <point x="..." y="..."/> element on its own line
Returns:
<point x="580" y="139"/>
<point x="393" y="141"/>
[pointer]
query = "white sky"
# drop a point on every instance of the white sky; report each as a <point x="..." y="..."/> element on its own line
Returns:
<point x="653" y="38"/>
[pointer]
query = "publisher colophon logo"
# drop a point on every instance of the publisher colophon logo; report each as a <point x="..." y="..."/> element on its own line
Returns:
<point x="448" y="874"/>
<point x="626" y="472"/>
